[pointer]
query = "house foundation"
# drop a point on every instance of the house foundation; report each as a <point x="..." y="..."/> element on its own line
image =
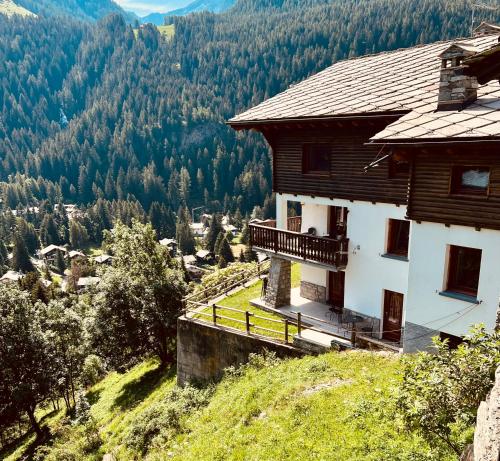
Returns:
<point x="313" y="292"/>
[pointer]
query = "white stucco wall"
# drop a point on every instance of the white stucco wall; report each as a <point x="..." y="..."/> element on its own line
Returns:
<point x="427" y="277"/>
<point x="367" y="273"/>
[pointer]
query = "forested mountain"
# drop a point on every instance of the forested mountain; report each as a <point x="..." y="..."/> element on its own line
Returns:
<point x="94" y="111"/>
<point x="213" y="6"/>
<point x="88" y="10"/>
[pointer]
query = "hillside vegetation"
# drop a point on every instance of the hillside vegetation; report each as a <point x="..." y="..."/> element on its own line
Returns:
<point x="338" y="404"/>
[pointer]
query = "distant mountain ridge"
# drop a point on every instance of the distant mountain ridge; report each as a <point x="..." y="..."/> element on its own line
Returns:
<point x="213" y="6"/>
<point x="87" y="10"/>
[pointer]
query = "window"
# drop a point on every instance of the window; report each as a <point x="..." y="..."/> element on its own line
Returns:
<point x="470" y="180"/>
<point x="398" y="238"/>
<point x="399" y="166"/>
<point x="463" y="270"/>
<point x="316" y="159"/>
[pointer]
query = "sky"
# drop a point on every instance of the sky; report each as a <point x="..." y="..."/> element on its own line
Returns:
<point x="144" y="7"/>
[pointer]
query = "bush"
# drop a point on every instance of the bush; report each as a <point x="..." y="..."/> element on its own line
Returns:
<point x="93" y="370"/>
<point x="441" y="392"/>
<point x="266" y="359"/>
<point x="161" y="423"/>
<point x="237" y="270"/>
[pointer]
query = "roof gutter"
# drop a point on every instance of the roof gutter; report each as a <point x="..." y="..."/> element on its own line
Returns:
<point x="243" y="124"/>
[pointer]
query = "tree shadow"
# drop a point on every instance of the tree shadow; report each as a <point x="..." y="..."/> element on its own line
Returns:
<point x="29" y="451"/>
<point x="93" y="396"/>
<point x="136" y="391"/>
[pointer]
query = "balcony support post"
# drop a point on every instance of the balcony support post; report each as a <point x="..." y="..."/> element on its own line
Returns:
<point x="279" y="283"/>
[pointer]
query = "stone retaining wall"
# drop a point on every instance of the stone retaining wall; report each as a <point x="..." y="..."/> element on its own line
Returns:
<point x="205" y="350"/>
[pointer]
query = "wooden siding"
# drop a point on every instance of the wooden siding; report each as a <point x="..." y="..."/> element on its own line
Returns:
<point x="430" y="196"/>
<point x="347" y="179"/>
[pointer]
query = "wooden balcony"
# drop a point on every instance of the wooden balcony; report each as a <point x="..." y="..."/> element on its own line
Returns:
<point x="321" y="250"/>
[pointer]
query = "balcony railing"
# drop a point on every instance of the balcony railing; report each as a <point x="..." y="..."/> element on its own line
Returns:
<point x="293" y="223"/>
<point x="323" y="250"/>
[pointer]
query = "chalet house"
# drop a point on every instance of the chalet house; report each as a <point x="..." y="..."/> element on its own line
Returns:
<point x="11" y="277"/>
<point x="395" y="158"/>
<point x="171" y="245"/>
<point x="73" y="254"/>
<point x="49" y="253"/>
<point x="204" y="257"/>
<point x="199" y="229"/>
<point x="104" y="259"/>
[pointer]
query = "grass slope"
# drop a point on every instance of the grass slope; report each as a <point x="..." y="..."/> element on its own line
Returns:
<point x="8" y="7"/>
<point x="333" y="407"/>
<point x="338" y="406"/>
<point x="241" y="300"/>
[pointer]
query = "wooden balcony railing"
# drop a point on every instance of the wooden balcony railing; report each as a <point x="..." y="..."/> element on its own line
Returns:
<point x="294" y="223"/>
<point x="322" y="250"/>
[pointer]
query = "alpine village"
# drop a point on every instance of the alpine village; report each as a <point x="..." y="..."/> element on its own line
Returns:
<point x="250" y="230"/>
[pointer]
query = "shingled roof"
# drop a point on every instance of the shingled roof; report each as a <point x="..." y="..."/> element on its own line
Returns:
<point x="404" y="81"/>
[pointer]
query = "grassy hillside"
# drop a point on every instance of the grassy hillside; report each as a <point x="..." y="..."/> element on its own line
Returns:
<point x="336" y="406"/>
<point x="9" y="8"/>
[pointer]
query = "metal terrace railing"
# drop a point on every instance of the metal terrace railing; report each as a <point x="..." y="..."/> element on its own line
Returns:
<point x="323" y="250"/>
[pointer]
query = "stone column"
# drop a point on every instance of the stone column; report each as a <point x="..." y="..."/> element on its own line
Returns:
<point x="279" y="283"/>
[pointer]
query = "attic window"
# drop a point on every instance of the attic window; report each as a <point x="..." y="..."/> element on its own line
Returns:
<point x="316" y="159"/>
<point x="470" y="180"/>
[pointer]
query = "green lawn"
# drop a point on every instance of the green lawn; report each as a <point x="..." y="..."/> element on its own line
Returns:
<point x="167" y="31"/>
<point x="241" y="300"/>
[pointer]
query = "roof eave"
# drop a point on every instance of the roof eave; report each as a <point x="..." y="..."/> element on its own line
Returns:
<point x="252" y="124"/>
<point x="427" y="141"/>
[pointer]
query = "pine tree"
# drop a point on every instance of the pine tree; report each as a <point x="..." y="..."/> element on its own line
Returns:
<point x="213" y="232"/>
<point x="59" y="262"/>
<point x="225" y="251"/>
<point x="184" y="234"/>
<point x="218" y="243"/>
<point x="222" y="263"/>
<point x="48" y="231"/>
<point x="250" y="255"/>
<point x="245" y="234"/>
<point x="20" y="257"/>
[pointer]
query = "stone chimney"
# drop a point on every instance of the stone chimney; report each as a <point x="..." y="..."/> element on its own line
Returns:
<point x="456" y="89"/>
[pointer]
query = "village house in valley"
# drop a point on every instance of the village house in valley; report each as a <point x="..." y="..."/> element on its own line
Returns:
<point x="395" y="160"/>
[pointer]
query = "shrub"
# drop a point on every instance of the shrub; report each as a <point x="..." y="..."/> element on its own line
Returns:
<point x="441" y="392"/>
<point x="159" y="424"/>
<point x="93" y="370"/>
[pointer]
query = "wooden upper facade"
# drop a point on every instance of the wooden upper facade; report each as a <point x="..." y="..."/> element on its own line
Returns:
<point x="346" y="152"/>
<point x="435" y="192"/>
